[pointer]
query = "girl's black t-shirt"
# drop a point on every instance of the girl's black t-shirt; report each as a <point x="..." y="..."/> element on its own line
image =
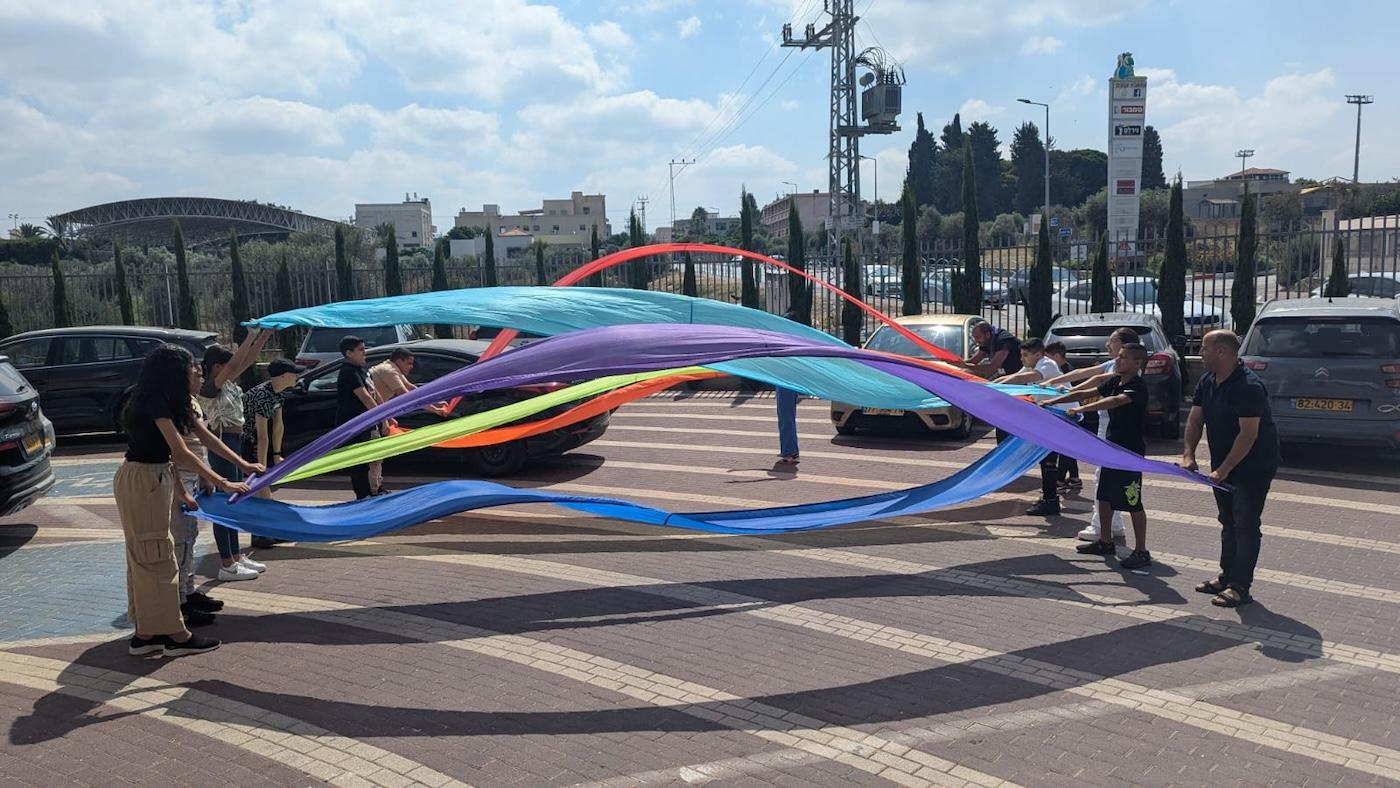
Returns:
<point x="144" y="442"/>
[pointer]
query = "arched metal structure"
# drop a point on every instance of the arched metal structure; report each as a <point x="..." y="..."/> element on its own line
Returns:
<point x="203" y="220"/>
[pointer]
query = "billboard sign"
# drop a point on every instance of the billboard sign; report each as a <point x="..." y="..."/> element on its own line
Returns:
<point x="1127" y="114"/>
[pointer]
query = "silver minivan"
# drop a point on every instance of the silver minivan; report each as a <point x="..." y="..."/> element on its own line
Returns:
<point x="1332" y="368"/>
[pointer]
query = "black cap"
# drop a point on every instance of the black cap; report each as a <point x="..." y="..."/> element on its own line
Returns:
<point x="281" y="366"/>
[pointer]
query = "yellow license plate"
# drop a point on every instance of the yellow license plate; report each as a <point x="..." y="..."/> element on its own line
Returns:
<point x="1324" y="405"/>
<point x="883" y="412"/>
<point x="33" y="443"/>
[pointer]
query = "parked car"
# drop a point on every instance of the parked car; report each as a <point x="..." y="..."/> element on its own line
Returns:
<point x="323" y="344"/>
<point x="84" y="374"/>
<point x="1018" y="287"/>
<point x="882" y="280"/>
<point x="1086" y="336"/>
<point x="309" y="410"/>
<point x="1140" y="295"/>
<point x="950" y="332"/>
<point x="26" y="442"/>
<point x="1372" y="285"/>
<point x="1332" y="368"/>
<point x="994" y="291"/>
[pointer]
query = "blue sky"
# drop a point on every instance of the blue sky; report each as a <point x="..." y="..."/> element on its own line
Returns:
<point x="320" y="104"/>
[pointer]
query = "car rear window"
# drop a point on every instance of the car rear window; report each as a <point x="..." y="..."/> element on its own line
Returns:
<point x="11" y="382"/>
<point x="1094" y="337"/>
<point x="950" y="338"/>
<point x="1320" y="337"/>
<point x="327" y="340"/>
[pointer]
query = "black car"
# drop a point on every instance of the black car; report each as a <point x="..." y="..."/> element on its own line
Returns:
<point x="1085" y="337"/>
<point x="26" y="441"/>
<point x="84" y="374"/>
<point x="309" y="411"/>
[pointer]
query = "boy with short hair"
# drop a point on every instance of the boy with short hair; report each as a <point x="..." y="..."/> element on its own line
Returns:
<point x="1069" y="467"/>
<point x="1037" y="368"/>
<point x="1124" y="398"/>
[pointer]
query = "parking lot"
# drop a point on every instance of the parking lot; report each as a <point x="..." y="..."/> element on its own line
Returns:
<point x="530" y="645"/>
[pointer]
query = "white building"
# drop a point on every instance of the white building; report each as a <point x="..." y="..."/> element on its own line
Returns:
<point x="412" y="219"/>
<point x="508" y="247"/>
<point x="556" y="222"/>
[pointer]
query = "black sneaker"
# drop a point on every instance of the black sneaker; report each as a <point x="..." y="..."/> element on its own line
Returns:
<point x="1072" y="485"/>
<point x="196" y="618"/>
<point x="1097" y="547"/>
<point x="195" y="645"/>
<point x="1044" y="508"/>
<point x="262" y="542"/>
<point x="1137" y="559"/>
<point x="142" y="647"/>
<point x="203" y="602"/>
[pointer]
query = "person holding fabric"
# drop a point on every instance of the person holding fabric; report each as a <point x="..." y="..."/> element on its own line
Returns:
<point x="787" y="400"/>
<point x="390" y="379"/>
<point x="1069" y="467"/>
<point x="1089" y="379"/>
<point x="1124" y="397"/>
<point x="159" y="409"/>
<point x="354" y="395"/>
<point x="997" y="348"/>
<point x="197" y="608"/>
<point x="1037" y="368"/>
<point x="262" y="438"/>
<point x="221" y="400"/>
<point x="1231" y="405"/>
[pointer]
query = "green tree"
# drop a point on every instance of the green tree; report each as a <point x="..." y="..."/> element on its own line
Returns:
<point x="188" y="318"/>
<point x="283" y="285"/>
<point x="464" y="233"/>
<point x="31" y="231"/>
<point x="1101" y="280"/>
<point x="797" y="258"/>
<point x="748" y="290"/>
<point x="948" y="169"/>
<point x="688" y="286"/>
<point x="1242" y="292"/>
<point x="919" y="177"/>
<point x="6" y="327"/>
<point x="699" y="222"/>
<point x="238" y="299"/>
<point x="1152" y="175"/>
<point x="912" y="277"/>
<point x="967" y="283"/>
<point x="344" y="277"/>
<point x="541" y="278"/>
<point x="123" y="286"/>
<point x="393" y="277"/>
<point x="986" y="161"/>
<point x="488" y="260"/>
<point x="852" y="318"/>
<point x="596" y="279"/>
<point x="1076" y="174"/>
<point x="636" y="269"/>
<point x="440" y="283"/>
<point x="62" y="310"/>
<point x="1171" y="280"/>
<point x="1028" y="163"/>
<point x="1039" y="309"/>
<point x="1338" y="285"/>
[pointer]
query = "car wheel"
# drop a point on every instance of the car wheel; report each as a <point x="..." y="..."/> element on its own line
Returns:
<point x="501" y="459"/>
<point x="845" y="429"/>
<point x="963" y="430"/>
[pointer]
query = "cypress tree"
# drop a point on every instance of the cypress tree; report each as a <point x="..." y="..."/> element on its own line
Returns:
<point x="441" y="330"/>
<point x="62" y="311"/>
<point x="1152" y="175"/>
<point x="541" y="278"/>
<point x="1242" y="292"/>
<point x="488" y="259"/>
<point x="967" y="284"/>
<point x="393" y="277"/>
<point x="188" y="318"/>
<point x="852" y="319"/>
<point x="238" y="299"/>
<point x="1171" y="280"/>
<point x="1101" y="280"/>
<point x="344" y="277"/>
<point x="798" y="291"/>
<point x="1040" y="311"/>
<point x="912" y="278"/>
<point x="1338" y="285"/>
<point x="919" y="178"/>
<point x="123" y="286"/>
<point x="688" y="286"/>
<point x="594" y="280"/>
<point x="636" y="269"/>
<point x="287" y="336"/>
<point x="748" y="291"/>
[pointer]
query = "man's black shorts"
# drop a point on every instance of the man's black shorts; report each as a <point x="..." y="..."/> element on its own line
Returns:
<point x="1121" y="490"/>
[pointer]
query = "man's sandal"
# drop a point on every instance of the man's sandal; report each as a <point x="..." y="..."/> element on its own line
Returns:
<point x="1211" y="587"/>
<point x="1231" y="597"/>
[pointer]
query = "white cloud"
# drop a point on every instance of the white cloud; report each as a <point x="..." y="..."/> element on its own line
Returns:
<point x="976" y="109"/>
<point x="690" y="26"/>
<point x="1041" y="45"/>
<point x="609" y="35"/>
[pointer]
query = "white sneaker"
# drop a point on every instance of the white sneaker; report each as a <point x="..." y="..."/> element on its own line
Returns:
<point x="237" y="572"/>
<point x="1091" y="532"/>
<point x="256" y="566"/>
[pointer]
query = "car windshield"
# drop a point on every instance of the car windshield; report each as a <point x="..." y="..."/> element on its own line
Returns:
<point x="327" y="340"/>
<point x="1062" y="275"/>
<point x="1324" y="337"/>
<point x="948" y="337"/>
<point x="1140" y="292"/>
<point x="1093" y="338"/>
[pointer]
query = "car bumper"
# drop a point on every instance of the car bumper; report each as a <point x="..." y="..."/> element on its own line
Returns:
<point x="1351" y="432"/>
<point x="931" y="420"/>
<point x="567" y="438"/>
<point x="22" y="485"/>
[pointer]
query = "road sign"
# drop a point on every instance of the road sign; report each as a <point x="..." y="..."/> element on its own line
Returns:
<point x="1054" y="221"/>
<point x="1066" y="232"/>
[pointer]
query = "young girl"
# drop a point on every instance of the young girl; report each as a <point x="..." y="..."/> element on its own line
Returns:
<point x="159" y="409"/>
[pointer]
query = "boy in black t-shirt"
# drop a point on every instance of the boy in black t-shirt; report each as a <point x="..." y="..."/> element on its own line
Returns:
<point x="1124" y="398"/>
<point x="354" y="395"/>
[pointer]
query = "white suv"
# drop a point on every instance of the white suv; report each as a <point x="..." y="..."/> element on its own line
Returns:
<point x="323" y="344"/>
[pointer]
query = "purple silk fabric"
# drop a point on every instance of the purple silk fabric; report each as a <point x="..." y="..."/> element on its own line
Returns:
<point x="611" y="350"/>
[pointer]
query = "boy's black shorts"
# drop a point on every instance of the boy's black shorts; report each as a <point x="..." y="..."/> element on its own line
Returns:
<point x="1121" y="490"/>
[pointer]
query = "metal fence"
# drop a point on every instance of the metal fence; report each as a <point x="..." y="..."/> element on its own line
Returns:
<point x="1291" y="263"/>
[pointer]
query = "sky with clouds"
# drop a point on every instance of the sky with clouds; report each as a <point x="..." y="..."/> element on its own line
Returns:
<point x="319" y="104"/>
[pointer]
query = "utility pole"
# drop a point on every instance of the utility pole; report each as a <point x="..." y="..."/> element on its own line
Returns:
<point x="1243" y="156"/>
<point x="642" y="212"/>
<point x="1359" y="101"/>
<point x="672" y="169"/>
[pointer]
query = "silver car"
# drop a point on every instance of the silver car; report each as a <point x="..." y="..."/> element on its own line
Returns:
<point x="322" y="345"/>
<point x="1332" y="369"/>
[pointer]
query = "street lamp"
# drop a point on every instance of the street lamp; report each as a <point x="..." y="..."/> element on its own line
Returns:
<point x="793" y="185"/>
<point x="875" y="223"/>
<point x="1047" y="150"/>
<point x="1244" y="156"/>
<point x="15" y="217"/>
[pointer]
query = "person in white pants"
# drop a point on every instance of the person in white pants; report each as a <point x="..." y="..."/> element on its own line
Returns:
<point x="1090" y="378"/>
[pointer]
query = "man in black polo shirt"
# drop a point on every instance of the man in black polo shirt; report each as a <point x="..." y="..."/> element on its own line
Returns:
<point x="997" y="348"/>
<point x="354" y="395"/>
<point x="1232" y="405"/>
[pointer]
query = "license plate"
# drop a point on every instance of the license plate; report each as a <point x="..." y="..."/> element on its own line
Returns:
<point x="33" y="443"/>
<point x="1324" y="405"/>
<point x="883" y="412"/>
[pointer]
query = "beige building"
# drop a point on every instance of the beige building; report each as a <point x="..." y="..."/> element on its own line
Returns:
<point x="556" y="222"/>
<point x="813" y="208"/>
<point x="412" y="219"/>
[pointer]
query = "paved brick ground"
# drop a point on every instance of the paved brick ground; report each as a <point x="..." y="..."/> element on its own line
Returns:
<point x="532" y="646"/>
